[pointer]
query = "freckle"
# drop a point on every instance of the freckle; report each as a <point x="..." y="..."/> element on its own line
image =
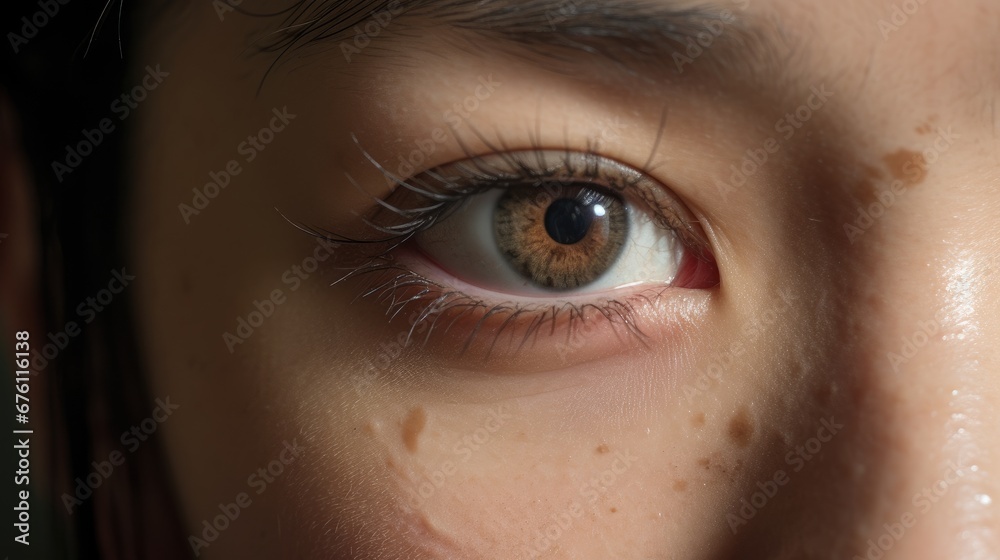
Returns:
<point x="698" y="420"/>
<point x="704" y="463"/>
<point x="614" y="510"/>
<point x="907" y="166"/>
<point x="603" y="448"/>
<point x="680" y="485"/>
<point x="924" y="129"/>
<point x="741" y="428"/>
<point x="412" y="426"/>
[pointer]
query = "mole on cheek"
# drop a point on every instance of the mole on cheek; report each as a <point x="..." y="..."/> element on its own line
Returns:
<point x="907" y="166"/>
<point x="413" y="425"/>
<point x="741" y="428"/>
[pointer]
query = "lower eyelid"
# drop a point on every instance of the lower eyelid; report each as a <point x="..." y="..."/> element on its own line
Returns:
<point x="470" y="325"/>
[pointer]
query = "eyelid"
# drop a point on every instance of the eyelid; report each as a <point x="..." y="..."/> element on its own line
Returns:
<point x="391" y="273"/>
<point x="436" y="192"/>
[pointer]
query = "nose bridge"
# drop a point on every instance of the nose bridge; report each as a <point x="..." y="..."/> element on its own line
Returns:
<point x="930" y="354"/>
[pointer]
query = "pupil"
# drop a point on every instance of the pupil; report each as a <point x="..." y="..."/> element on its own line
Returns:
<point x="567" y="221"/>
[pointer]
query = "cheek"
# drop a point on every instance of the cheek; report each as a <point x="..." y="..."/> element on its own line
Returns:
<point x="567" y="470"/>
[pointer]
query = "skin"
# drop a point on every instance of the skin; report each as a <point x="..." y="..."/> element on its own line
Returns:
<point x="611" y="447"/>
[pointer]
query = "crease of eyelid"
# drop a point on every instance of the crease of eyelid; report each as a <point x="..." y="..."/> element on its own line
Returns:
<point x="504" y="151"/>
<point x="509" y="155"/>
<point x="590" y="156"/>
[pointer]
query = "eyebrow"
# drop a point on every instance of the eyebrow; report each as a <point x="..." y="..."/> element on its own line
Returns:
<point x="632" y="35"/>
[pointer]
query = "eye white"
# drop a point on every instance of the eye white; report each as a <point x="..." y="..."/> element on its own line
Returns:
<point x="465" y="246"/>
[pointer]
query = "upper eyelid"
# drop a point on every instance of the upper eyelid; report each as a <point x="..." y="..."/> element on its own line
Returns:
<point x="523" y="166"/>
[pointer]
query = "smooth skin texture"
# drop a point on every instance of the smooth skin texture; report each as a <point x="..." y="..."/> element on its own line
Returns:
<point x="781" y="380"/>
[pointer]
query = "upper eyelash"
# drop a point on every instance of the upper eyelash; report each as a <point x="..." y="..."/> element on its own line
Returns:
<point x="480" y="175"/>
<point x="454" y="192"/>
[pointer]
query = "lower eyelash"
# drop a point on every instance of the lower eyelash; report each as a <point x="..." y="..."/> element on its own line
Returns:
<point x="438" y="306"/>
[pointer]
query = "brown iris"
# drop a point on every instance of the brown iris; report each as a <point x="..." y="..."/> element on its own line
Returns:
<point x="562" y="238"/>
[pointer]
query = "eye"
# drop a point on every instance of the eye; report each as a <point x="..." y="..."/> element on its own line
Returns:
<point x="517" y="249"/>
<point x="558" y="223"/>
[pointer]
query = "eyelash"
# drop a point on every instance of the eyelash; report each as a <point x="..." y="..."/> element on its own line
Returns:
<point x="397" y="286"/>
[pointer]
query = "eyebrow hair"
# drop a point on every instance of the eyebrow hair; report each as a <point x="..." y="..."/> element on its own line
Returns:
<point x="627" y="33"/>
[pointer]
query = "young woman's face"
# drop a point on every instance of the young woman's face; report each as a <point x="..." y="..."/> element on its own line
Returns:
<point x="707" y="283"/>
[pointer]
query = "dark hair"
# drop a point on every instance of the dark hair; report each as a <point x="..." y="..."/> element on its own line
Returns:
<point x="63" y="66"/>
